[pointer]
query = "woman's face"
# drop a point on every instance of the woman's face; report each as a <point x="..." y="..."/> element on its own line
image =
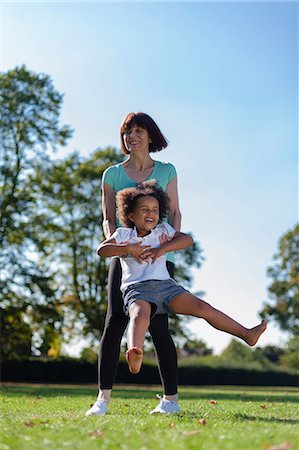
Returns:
<point x="137" y="139"/>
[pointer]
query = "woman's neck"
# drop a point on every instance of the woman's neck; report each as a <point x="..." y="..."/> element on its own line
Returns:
<point x="139" y="162"/>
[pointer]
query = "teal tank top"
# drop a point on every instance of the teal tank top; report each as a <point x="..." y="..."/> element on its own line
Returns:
<point x="116" y="177"/>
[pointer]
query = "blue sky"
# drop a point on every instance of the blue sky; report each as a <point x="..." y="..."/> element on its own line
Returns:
<point x="221" y="80"/>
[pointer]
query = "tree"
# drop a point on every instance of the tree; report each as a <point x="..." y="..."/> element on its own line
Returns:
<point x="272" y="352"/>
<point x="185" y="260"/>
<point x="29" y="112"/>
<point x="15" y="335"/>
<point x="29" y="125"/>
<point x="195" y="347"/>
<point x="290" y="357"/>
<point x="69" y="225"/>
<point x="240" y="354"/>
<point x="283" y="306"/>
<point x="51" y="281"/>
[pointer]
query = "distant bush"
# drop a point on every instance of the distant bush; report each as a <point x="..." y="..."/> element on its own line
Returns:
<point x="68" y="370"/>
<point x="220" y="362"/>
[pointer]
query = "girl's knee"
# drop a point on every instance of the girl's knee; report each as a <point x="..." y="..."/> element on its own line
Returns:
<point x="140" y="311"/>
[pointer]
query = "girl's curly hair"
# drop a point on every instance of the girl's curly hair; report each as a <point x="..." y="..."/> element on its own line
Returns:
<point x="126" y="200"/>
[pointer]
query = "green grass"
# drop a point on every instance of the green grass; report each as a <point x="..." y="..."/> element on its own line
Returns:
<point x="243" y="418"/>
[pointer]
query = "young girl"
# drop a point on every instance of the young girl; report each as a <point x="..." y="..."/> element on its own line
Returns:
<point x="146" y="286"/>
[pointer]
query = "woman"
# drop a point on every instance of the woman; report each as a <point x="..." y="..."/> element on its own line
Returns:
<point x="140" y="136"/>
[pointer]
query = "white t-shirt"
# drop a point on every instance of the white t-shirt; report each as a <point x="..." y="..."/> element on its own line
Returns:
<point x="132" y="270"/>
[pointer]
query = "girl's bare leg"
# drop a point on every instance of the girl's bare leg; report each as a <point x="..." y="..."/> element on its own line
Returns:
<point x="139" y="312"/>
<point x="188" y="304"/>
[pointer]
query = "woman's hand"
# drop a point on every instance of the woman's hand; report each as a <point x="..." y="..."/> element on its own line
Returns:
<point x="154" y="253"/>
<point x="164" y="238"/>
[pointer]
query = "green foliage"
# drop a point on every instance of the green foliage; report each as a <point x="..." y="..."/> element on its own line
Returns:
<point x="194" y="347"/>
<point x="185" y="260"/>
<point x="273" y="353"/>
<point x="16" y="334"/>
<point x="29" y="112"/>
<point x="283" y="306"/>
<point x="290" y="358"/>
<point x="51" y="222"/>
<point x="29" y="116"/>
<point x="69" y="225"/>
<point x="89" y="354"/>
<point x="237" y="354"/>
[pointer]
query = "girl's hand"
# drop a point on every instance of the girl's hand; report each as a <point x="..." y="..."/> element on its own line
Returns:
<point x="138" y="251"/>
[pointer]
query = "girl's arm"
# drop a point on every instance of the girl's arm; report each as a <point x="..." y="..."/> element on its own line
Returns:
<point x="178" y="242"/>
<point x="174" y="216"/>
<point x="109" y="210"/>
<point x="109" y="248"/>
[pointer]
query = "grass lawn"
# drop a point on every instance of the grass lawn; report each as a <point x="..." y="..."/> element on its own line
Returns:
<point x="212" y="418"/>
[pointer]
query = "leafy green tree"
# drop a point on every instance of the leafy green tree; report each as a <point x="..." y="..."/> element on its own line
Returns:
<point x="185" y="260"/>
<point x="195" y="347"/>
<point x="272" y="352"/>
<point x="283" y="306"/>
<point x="29" y="113"/>
<point x="15" y="335"/>
<point x="69" y="226"/>
<point x="290" y="357"/>
<point x="52" y="284"/>
<point x="89" y="354"/>
<point x="238" y="354"/>
<point x="29" y="125"/>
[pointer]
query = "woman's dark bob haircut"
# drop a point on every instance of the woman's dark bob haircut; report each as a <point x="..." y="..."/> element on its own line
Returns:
<point x="142" y="120"/>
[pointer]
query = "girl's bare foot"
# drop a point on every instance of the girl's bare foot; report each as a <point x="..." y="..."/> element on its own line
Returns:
<point x="134" y="359"/>
<point x="254" y="333"/>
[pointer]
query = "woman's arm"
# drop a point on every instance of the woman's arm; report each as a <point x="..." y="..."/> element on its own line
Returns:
<point x="109" y="210"/>
<point x="175" y="216"/>
<point x="178" y="242"/>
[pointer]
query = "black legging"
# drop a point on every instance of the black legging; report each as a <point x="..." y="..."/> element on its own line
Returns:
<point x="115" y="325"/>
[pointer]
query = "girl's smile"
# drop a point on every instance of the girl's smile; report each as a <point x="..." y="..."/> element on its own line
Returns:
<point x="146" y="214"/>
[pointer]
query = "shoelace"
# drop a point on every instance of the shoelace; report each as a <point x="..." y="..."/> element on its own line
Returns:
<point x="158" y="396"/>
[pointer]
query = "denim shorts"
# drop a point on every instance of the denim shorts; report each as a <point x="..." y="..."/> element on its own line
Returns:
<point x="157" y="292"/>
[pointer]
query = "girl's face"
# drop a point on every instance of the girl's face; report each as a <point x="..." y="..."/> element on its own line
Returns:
<point x="137" y="139"/>
<point x="146" y="214"/>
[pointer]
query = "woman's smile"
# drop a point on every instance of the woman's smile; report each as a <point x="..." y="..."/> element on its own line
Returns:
<point x="137" y="137"/>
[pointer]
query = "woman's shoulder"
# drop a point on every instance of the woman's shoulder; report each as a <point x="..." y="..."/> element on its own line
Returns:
<point x="164" y="165"/>
<point x="111" y="173"/>
<point x="114" y="168"/>
<point x="165" y="170"/>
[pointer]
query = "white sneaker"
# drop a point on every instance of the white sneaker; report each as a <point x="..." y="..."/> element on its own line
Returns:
<point x="166" y="407"/>
<point x="99" y="408"/>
